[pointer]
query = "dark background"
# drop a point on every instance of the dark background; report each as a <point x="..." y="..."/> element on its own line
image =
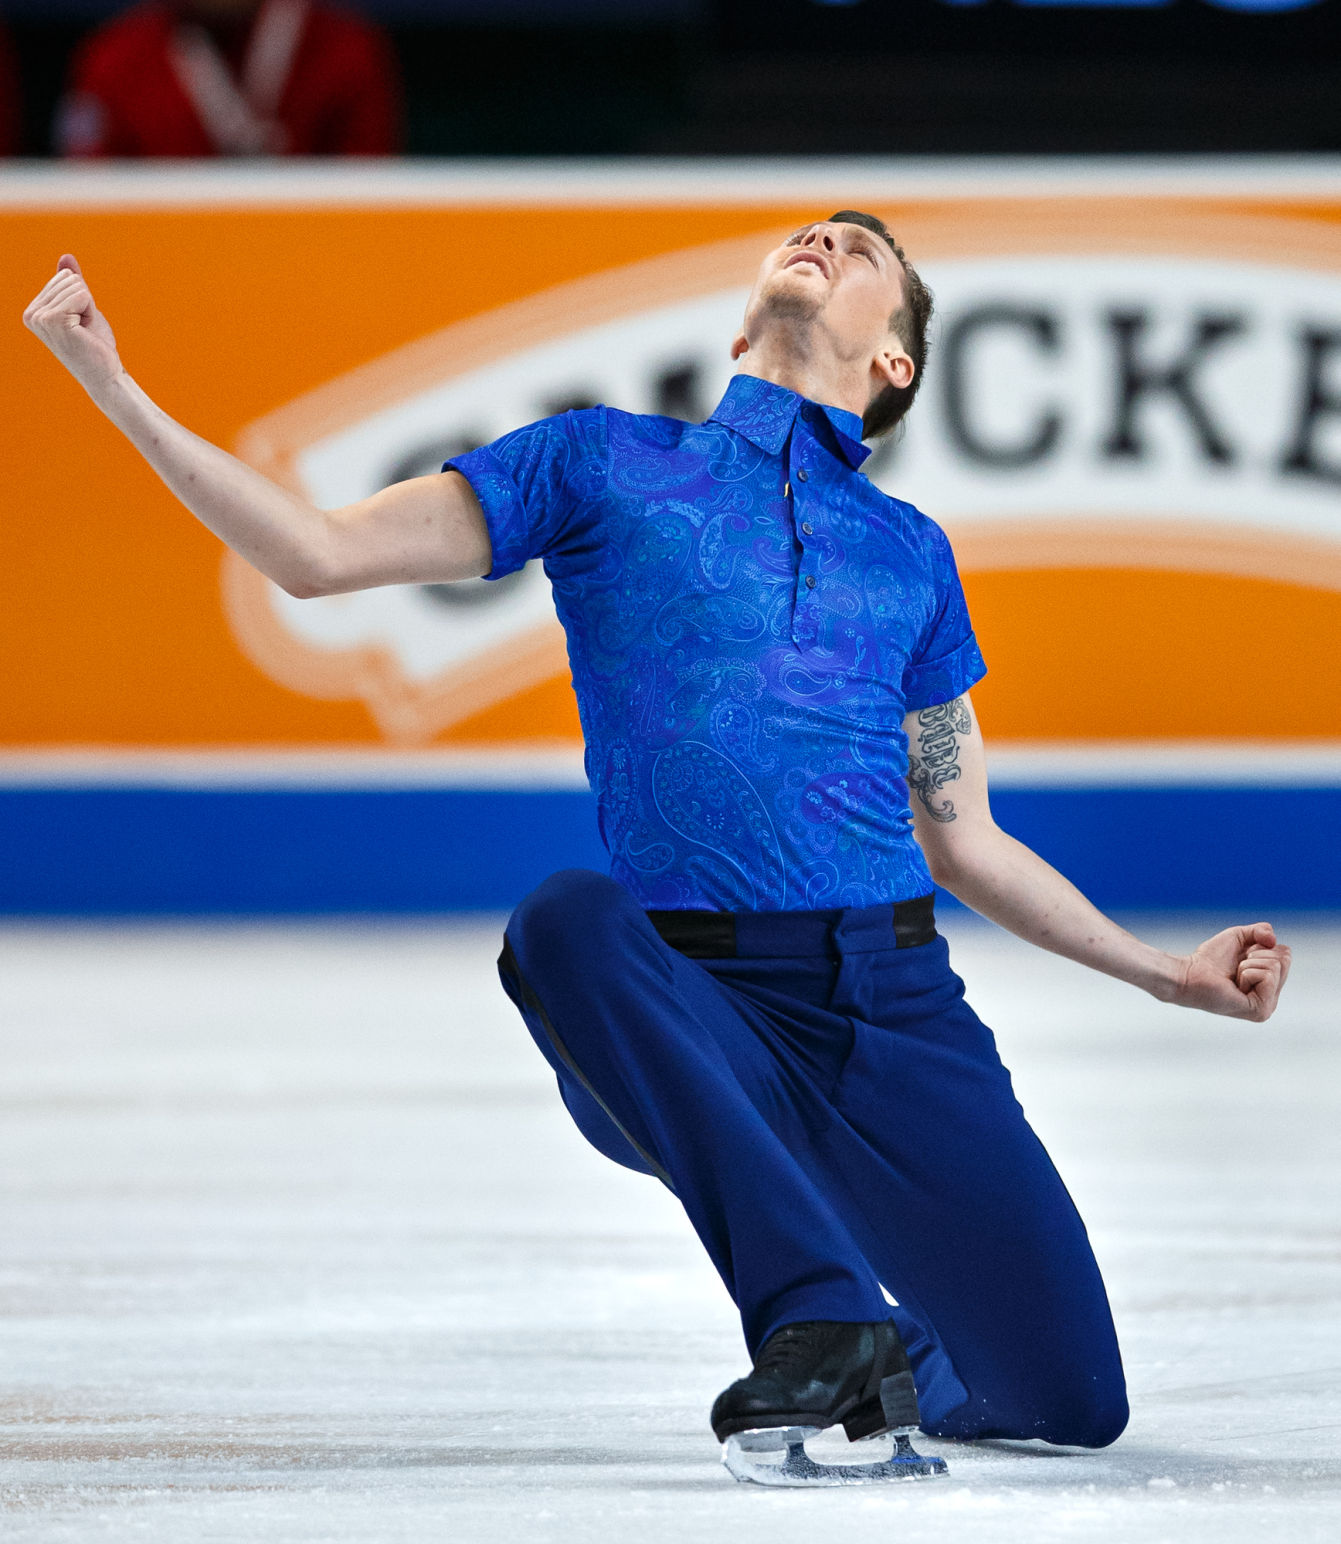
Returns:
<point x="711" y="77"/>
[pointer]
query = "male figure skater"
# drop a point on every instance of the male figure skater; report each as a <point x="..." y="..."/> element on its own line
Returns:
<point x="773" y="662"/>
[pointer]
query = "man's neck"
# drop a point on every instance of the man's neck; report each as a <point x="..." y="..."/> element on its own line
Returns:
<point x="786" y="361"/>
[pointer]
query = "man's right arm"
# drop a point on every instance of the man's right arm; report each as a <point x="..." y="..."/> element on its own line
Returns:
<point x="429" y="530"/>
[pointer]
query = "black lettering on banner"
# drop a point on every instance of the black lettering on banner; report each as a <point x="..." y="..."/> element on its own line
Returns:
<point x="1139" y="380"/>
<point x="1042" y="329"/>
<point x="427" y="457"/>
<point x="571" y="401"/>
<point x="677" y="392"/>
<point x="1319" y="399"/>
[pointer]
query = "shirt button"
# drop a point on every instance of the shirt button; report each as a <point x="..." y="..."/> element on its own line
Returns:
<point x="810" y="581"/>
<point x="786" y="490"/>
<point x="803" y="475"/>
<point x="807" y="528"/>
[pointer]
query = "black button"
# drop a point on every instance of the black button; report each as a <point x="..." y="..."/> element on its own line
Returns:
<point x="807" y="528"/>
<point x="810" y="581"/>
<point x="803" y="475"/>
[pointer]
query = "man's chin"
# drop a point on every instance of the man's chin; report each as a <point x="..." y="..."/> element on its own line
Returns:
<point x="786" y="299"/>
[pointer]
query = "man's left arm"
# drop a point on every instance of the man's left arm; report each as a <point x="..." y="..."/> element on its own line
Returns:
<point x="1238" y="972"/>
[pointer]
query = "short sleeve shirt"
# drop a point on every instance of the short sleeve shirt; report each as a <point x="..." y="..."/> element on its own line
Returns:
<point x="749" y="619"/>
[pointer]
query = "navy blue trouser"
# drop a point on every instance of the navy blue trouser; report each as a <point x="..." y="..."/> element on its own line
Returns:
<point x="833" y="1117"/>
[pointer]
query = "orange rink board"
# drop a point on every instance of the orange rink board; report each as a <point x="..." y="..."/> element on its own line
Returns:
<point x="1131" y="430"/>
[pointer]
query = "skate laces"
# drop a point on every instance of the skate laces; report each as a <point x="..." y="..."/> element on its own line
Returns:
<point x="793" y="1343"/>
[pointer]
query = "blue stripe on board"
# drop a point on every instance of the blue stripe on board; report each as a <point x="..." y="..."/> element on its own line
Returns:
<point x="226" y="851"/>
<point x="1195" y="848"/>
<point x="144" y="851"/>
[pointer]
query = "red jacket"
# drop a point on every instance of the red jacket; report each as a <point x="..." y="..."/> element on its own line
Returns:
<point x="309" y="80"/>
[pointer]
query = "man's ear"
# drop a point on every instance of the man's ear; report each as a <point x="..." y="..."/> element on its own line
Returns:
<point x="893" y="366"/>
<point x="740" y="345"/>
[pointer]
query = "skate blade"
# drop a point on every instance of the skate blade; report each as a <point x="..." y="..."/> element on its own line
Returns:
<point x="777" y="1456"/>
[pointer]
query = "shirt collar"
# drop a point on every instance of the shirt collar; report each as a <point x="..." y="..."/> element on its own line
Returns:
<point x="764" y="413"/>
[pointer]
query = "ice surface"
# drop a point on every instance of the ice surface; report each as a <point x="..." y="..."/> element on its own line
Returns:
<point x="297" y="1244"/>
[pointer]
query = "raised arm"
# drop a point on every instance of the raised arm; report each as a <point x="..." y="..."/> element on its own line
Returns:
<point x="1239" y="972"/>
<point x="424" y="531"/>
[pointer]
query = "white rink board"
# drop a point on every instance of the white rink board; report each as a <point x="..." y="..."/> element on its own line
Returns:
<point x="298" y="1245"/>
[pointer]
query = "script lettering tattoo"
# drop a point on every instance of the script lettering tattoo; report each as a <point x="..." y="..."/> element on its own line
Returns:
<point x="934" y="761"/>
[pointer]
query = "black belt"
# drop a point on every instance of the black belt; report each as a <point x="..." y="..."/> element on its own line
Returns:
<point x="712" y="935"/>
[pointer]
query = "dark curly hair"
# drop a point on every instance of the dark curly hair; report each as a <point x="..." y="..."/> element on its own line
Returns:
<point x="888" y="407"/>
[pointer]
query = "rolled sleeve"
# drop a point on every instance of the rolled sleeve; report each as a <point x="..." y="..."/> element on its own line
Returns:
<point x="942" y="680"/>
<point x="947" y="660"/>
<point x="533" y="484"/>
<point x="504" y="510"/>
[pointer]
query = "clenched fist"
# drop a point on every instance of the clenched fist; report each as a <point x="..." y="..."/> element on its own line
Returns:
<point x="1239" y="972"/>
<point x="67" y="321"/>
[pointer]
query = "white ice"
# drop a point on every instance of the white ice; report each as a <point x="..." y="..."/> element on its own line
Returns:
<point x="297" y="1244"/>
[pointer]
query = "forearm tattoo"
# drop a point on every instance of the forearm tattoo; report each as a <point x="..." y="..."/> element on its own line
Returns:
<point x="934" y="760"/>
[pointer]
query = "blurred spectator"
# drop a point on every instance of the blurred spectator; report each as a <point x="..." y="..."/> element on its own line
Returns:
<point x="233" y="78"/>
<point x="9" y="98"/>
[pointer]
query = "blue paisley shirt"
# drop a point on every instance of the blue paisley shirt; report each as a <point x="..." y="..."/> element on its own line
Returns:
<point x="749" y="619"/>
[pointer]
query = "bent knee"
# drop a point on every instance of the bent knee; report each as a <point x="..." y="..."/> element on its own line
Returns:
<point x="1103" y="1423"/>
<point x="572" y="905"/>
<point x="1091" y="1419"/>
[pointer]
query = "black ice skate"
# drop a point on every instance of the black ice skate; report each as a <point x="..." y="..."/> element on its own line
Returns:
<point x="817" y="1374"/>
